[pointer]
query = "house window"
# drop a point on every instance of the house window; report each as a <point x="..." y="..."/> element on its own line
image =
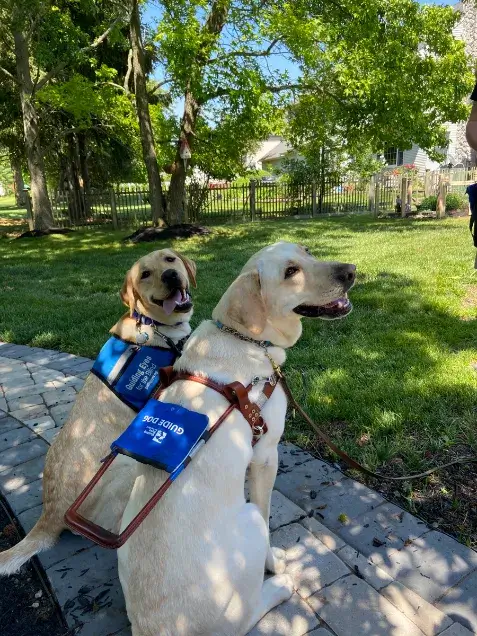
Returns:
<point x="394" y="157"/>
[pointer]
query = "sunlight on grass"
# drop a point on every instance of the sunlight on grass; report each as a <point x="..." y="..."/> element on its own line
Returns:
<point x="397" y="369"/>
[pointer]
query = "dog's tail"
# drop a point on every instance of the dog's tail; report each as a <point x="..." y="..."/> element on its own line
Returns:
<point x="42" y="536"/>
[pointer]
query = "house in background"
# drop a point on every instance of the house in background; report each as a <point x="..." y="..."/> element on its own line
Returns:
<point x="270" y="154"/>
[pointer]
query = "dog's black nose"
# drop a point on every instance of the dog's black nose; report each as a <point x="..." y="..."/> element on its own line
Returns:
<point x="172" y="279"/>
<point x="346" y="274"/>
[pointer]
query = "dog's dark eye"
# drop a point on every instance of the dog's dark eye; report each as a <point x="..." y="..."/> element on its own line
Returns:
<point x="170" y="259"/>
<point x="146" y="273"/>
<point x="291" y="271"/>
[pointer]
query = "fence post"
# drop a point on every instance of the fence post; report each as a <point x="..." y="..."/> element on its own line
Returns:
<point x="441" y="198"/>
<point x="371" y="193"/>
<point x="114" y="213"/>
<point x="376" y="198"/>
<point x="427" y="184"/>
<point x="253" y="184"/>
<point x="403" y="195"/>
<point x="409" y="195"/>
<point x="29" y="209"/>
<point x="313" y="199"/>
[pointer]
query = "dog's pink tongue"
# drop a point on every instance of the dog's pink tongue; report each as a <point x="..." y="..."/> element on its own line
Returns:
<point x="170" y="303"/>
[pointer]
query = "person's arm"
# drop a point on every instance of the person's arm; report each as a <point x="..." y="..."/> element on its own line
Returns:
<point x="471" y="130"/>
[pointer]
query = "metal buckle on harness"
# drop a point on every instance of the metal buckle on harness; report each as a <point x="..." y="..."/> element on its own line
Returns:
<point x="257" y="429"/>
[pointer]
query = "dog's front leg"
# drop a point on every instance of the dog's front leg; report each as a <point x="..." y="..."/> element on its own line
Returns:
<point x="262" y="475"/>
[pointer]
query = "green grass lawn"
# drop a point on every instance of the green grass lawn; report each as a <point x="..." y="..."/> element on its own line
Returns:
<point x="393" y="382"/>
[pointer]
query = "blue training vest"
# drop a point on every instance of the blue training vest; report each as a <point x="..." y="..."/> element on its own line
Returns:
<point x="131" y="371"/>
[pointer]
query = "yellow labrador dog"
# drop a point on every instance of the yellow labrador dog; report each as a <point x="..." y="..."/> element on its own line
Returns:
<point x="195" y="566"/>
<point x="156" y="288"/>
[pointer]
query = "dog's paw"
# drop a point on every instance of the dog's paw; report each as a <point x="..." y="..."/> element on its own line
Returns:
<point x="284" y="583"/>
<point x="276" y="563"/>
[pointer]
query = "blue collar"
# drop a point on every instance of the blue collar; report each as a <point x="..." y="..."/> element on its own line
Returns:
<point x="145" y="320"/>
<point x="264" y="344"/>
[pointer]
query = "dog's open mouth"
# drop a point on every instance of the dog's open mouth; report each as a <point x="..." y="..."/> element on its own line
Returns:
<point x="337" y="309"/>
<point x="179" y="300"/>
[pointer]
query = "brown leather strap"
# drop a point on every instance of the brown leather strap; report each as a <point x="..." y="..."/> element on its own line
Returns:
<point x="349" y="460"/>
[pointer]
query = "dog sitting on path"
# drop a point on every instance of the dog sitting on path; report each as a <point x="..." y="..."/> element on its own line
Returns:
<point x="156" y="290"/>
<point x="195" y="566"/>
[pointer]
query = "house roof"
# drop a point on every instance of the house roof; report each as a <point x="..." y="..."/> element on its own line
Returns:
<point x="279" y="151"/>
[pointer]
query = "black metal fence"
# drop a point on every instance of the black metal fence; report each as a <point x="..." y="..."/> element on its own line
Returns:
<point x="129" y="206"/>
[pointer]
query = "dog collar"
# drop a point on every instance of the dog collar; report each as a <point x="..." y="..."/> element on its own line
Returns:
<point x="264" y="344"/>
<point x="146" y="320"/>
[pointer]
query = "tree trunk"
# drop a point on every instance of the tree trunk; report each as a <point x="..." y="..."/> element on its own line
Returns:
<point x="18" y="184"/>
<point x="76" y="210"/>
<point x="177" y="188"/>
<point x="42" y="213"/>
<point x="145" y="126"/>
<point x="84" y="170"/>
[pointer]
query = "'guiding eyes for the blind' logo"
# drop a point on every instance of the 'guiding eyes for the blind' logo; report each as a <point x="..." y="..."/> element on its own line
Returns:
<point x="159" y="437"/>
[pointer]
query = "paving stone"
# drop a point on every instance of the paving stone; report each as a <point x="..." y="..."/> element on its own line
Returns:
<point x="28" y="518"/>
<point x="430" y="565"/>
<point x="41" y="424"/>
<point x="68" y="545"/>
<point x="346" y="497"/>
<point x="16" y="351"/>
<point x="283" y="511"/>
<point x="371" y="573"/>
<point x="427" y="617"/>
<point x="457" y="630"/>
<point x="30" y="412"/>
<point x="8" y="424"/>
<point x="17" y="379"/>
<point x="79" y="368"/>
<point x="321" y="631"/>
<point x="287" y="451"/>
<point x="388" y="523"/>
<point x="3" y="404"/>
<point x="42" y="359"/>
<point x="83" y="375"/>
<point x="107" y="620"/>
<point x="460" y="602"/>
<point x="21" y="391"/>
<point x="46" y="374"/>
<point x="323" y="534"/>
<point x="22" y="402"/>
<point x="15" y="438"/>
<point x="7" y="363"/>
<point x="351" y="606"/>
<point x="26" y="496"/>
<point x="60" y="413"/>
<point x="59" y="364"/>
<point x="23" y="453"/>
<point x="292" y="618"/>
<point x="51" y="434"/>
<point x="13" y="478"/>
<point x="70" y="380"/>
<point x="311" y="564"/>
<point x="59" y="396"/>
<point x="297" y="486"/>
<point x="123" y="632"/>
<point x="90" y="568"/>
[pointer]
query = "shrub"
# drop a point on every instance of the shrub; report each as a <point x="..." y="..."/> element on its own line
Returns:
<point x="453" y="202"/>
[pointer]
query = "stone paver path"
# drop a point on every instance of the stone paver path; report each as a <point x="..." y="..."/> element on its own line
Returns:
<point x="361" y="565"/>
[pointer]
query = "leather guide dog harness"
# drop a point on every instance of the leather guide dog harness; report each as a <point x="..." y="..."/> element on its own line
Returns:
<point x="150" y="429"/>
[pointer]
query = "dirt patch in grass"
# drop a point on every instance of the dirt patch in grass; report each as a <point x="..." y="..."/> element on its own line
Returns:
<point x="470" y="299"/>
<point x="446" y="500"/>
<point x="26" y="605"/>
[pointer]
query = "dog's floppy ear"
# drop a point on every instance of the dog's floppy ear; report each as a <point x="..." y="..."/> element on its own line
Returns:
<point x="242" y="305"/>
<point x="127" y="293"/>
<point x="190" y="266"/>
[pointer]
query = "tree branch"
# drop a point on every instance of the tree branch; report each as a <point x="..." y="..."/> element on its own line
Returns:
<point x="8" y="74"/>
<point x="245" y="53"/>
<point x="54" y="71"/>
<point x="158" y="86"/>
<point x="129" y="71"/>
